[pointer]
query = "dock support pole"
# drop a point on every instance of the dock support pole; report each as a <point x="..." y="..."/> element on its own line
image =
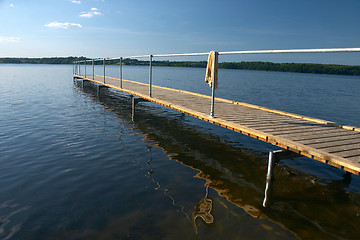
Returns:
<point x="93" y="68"/>
<point x="268" y="177"/>
<point x="104" y="68"/>
<point x="132" y="107"/>
<point x="274" y="157"/>
<point x="85" y="68"/>
<point x="79" y="68"/>
<point x="214" y="73"/>
<point x="150" y="75"/>
<point x="98" y="88"/>
<point x="120" y="72"/>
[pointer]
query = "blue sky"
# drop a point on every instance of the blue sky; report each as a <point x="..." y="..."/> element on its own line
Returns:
<point x="112" y="28"/>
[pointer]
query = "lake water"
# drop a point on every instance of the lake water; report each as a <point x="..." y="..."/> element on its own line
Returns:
<point x="74" y="165"/>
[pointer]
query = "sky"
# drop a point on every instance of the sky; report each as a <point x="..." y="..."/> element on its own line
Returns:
<point x="114" y="28"/>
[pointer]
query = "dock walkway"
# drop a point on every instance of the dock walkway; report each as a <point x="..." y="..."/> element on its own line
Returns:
<point x="325" y="141"/>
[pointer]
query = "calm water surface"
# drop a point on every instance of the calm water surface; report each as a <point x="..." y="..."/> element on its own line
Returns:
<point x="74" y="165"/>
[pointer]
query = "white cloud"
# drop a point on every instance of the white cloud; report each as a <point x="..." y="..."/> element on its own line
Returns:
<point x="12" y="5"/>
<point x="91" y="13"/>
<point x="88" y="15"/>
<point x="65" y="25"/>
<point x="76" y="2"/>
<point x="9" y="39"/>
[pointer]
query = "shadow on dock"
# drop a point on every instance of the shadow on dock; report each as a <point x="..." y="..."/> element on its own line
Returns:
<point x="307" y="206"/>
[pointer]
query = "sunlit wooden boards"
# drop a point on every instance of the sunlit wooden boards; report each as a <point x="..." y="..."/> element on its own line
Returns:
<point x="315" y="138"/>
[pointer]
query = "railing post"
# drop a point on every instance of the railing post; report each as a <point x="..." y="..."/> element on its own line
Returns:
<point x="79" y="68"/>
<point x="104" y="68"/>
<point x="150" y="75"/>
<point x="120" y="72"/>
<point x="215" y="64"/>
<point x="93" y="68"/>
<point x="85" y="68"/>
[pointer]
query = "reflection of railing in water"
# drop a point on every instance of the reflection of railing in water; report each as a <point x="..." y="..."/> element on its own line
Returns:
<point x="203" y="210"/>
<point x="242" y="185"/>
<point x="158" y="188"/>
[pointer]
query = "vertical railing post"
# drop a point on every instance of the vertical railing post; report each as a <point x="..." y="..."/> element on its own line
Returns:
<point x="85" y="68"/>
<point x="93" y="68"/>
<point x="214" y="77"/>
<point x="150" y="75"/>
<point x="120" y="72"/>
<point x="79" y="68"/>
<point x="104" y="68"/>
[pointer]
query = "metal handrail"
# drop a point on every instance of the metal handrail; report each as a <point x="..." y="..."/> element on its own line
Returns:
<point x="279" y="51"/>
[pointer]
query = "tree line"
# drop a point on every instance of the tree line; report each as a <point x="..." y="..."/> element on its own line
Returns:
<point x="260" y="66"/>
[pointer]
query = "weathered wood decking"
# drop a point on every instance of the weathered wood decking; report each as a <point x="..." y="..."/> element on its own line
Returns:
<point x="325" y="141"/>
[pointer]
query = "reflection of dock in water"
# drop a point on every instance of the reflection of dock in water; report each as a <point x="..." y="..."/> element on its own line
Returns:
<point x="297" y="197"/>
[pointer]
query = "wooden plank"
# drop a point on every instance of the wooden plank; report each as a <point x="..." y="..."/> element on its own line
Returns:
<point x="272" y="122"/>
<point x="342" y="148"/>
<point x="307" y="136"/>
<point x="278" y="122"/>
<point x="310" y="130"/>
<point x="255" y="121"/>
<point x="330" y="139"/>
<point x="284" y="127"/>
<point x="347" y="154"/>
<point x="335" y="143"/>
<point x="354" y="158"/>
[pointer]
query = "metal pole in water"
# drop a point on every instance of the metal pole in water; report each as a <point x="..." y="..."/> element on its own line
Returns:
<point x="268" y="177"/>
<point x="150" y="75"/>
<point x="215" y="65"/>
<point x="104" y="68"/>
<point x="85" y="68"/>
<point x="132" y="107"/>
<point x="79" y="68"/>
<point x="120" y="72"/>
<point x="93" y="69"/>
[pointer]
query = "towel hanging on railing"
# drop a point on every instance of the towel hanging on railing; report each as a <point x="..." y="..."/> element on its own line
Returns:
<point x="211" y="75"/>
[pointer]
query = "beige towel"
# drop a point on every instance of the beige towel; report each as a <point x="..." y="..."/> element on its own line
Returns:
<point x="212" y="70"/>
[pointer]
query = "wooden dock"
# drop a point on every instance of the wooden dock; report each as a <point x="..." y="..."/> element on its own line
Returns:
<point x="325" y="141"/>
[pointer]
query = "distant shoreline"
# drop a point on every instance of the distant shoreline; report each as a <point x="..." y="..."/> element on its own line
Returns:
<point x="260" y="66"/>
